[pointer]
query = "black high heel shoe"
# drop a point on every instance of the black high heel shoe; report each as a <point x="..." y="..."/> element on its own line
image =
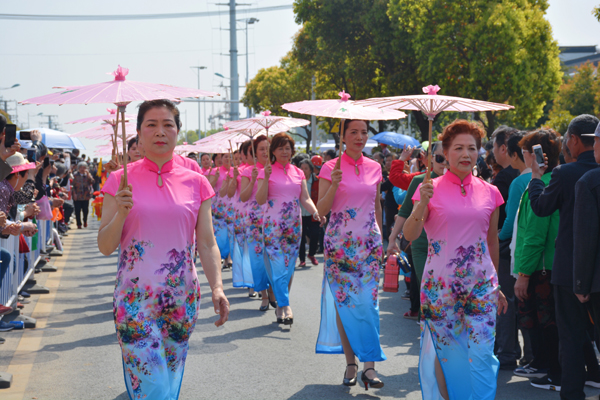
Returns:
<point x="279" y="319"/>
<point x="264" y="308"/>
<point x="273" y="303"/>
<point x="347" y="381"/>
<point x="375" y="383"/>
<point x="288" y="321"/>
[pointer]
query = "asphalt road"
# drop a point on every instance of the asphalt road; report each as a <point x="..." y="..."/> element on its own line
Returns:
<point x="74" y="354"/>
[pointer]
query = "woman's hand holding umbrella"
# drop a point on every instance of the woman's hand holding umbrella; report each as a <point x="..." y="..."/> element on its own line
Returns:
<point x="124" y="198"/>
<point x="268" y="169"/>
<point x="336" y="177"/>
<point x="254" y="174"/>
<point x="426" y="192"/>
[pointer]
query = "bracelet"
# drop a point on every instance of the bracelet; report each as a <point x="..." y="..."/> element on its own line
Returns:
<point x="524" y="275"/>
<point x="417" y="219"/>
<point x="316" y="215"/>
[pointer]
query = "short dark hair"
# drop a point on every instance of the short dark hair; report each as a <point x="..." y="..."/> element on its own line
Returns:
<point x="502" y="134"/>
<point x="307" y="162"/>
<point x="131" y="142"/>
<point x="3" y="122"/>
<point x="245" y="147"/>
<point x="204" y="154"/>
<point x="330" y="153"/>
<point x="280" y="140"/>
<point x="584" y="123"/>
<point x="513" y="145"/>
<point x="214" y="157"/>
<point x="150" y="104"/>
<point x="550" y="142"/>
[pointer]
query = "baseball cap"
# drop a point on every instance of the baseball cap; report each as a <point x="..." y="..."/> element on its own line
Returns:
<point x="317" y="161"/>
<point x="596" y="133"/>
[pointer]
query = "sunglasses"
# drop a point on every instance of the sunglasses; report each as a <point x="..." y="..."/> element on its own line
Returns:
<point x="440" y="159"/>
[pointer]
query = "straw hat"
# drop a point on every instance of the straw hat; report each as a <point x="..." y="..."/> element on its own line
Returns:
<point x="19" y="163"/>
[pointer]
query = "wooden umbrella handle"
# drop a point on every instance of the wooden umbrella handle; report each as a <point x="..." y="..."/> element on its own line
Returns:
<point x="339" y="160"/>
<point x="124" y="138"/>
<point x="429" y="151"/>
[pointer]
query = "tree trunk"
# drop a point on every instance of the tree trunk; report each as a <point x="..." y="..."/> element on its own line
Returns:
<point x="491" y="125"/>
<point x="381" y="126"/>
<point x="423" y="124"/>
<point x="308" y="138"/>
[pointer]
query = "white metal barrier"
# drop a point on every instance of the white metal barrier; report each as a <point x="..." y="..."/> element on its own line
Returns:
<point x="21" y="266"/>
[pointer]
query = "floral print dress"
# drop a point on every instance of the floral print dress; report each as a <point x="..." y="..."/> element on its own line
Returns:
<point x="254" y="235"/>
<point x="282" y="227"/>
<point x="353" y="255"/>
<point x="157" y="293"/>
<point x="459" y="290"/>
<point x="241" y="270"/>
<point x="219" y="208"/>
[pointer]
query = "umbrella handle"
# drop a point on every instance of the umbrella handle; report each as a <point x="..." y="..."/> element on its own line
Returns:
<point x="339" y="160"/>
<point x="429" y="157"/>
<point x="124" y="139"/>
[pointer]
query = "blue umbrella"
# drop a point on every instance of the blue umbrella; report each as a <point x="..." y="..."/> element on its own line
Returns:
<point x="54" y="139"/>
<point x="394" y="139"/>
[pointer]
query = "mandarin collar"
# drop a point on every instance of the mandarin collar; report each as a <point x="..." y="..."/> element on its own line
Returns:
<point x="351" y="161"/>
<point x="258" y="165"/>
<point x="153" y="167"/>
<point x="452" y="177"/>
<point x="285" y="168"/>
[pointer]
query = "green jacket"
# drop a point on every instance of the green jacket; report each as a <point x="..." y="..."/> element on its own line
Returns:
<point x="419" y="246"/>
<point x="534" y="250"/>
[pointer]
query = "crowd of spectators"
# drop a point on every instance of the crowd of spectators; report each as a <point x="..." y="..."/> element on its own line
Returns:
<point x="38" y="183"/>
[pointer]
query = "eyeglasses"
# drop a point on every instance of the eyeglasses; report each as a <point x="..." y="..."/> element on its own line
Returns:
<point x="440" y="159"/>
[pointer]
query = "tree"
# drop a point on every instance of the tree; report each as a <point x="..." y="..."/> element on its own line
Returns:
<point x="192" y="136"/>
<point x="579" y="94"/>
<point x="500" y="51"/>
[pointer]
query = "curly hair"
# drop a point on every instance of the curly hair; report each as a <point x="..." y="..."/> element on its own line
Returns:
<point x="550" y="141"/>
<point x="458" y="127"/>
<point x="280" y="140"/>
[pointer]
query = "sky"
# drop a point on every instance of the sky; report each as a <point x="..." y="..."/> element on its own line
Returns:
<point x="41" y="54"/>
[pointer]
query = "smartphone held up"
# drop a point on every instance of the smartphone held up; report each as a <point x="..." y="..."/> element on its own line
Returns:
<point x="539" y="155"/>
<point x="10" y="135"/>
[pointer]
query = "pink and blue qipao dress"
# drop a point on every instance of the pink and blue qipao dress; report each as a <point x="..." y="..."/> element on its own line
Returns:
<point x="353" y="256"/>
<point x="459" y="290"/>
<point x="282" y="227"/>
<point x="157" y="293"/>
<point x="254" y="234"/>
<point x="241" y="270"/>
<point x="219" y="213"/>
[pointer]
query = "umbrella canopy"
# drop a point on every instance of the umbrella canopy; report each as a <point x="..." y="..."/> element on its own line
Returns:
<point x="268" y="122"/>
<point x="431" y="104"/>
<point x="394" y="139"/>
<point x="109" y="118"/>
<point x="54" y="139"/>
<point x="118" y="91"/>
<point x="222" y="142"/>
<point x="343" y="108"/>
<point x="105" y="131"/>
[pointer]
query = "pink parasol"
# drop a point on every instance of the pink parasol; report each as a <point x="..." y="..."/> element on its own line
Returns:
<point x="109" y="118"/>
<point x="119" y="92"/>
<point x="431" y="104"/>
<point x="105" y="130"/>
<point x="343" y="108"/>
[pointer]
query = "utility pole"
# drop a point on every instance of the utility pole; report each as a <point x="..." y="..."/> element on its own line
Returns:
<point x="233" y="62"/>
<point x="313" y="119"/>
<point x="248" y="21"/>
<point x="199" y="119"/>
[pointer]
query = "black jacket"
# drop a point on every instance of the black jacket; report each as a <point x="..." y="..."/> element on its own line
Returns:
<point x="586" y="234"/>
<point x="502" y="181"/>
<point x="560" y="195"/>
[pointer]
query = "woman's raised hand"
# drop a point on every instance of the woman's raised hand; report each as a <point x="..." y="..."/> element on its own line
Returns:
<point x="268" y="169"/>
<point x="124" y="198"/>
<point x="236" y="172"/>
<point x="254" y="173"/>
<point x="426" y="192"/>
<point x="336" y="177"/>
<point x="406" y="152"/>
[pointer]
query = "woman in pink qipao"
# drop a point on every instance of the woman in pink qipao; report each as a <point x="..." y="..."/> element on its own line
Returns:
<point x="217" y="178"/>
<point x="281" y="189"/>
<point x="349" y="188"/>
<point x="155" y="218"/>
<point x="459" y="290"/>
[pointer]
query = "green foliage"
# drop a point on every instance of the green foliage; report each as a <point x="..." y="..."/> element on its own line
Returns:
<point x="596" y="12"/>
<point x="192" y="136"/>
<point x="500" y="51"/>
<point x="579" y="94"/>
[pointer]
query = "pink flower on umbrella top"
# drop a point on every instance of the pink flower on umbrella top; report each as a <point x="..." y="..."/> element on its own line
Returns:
<point x="344" y="96"/>
<point x="266" y="113"/>
<point x="120" y="73"/>
<point x="431" y="90"/>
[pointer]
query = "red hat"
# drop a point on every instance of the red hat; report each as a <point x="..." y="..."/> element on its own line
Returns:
<point x="317" y="161"/>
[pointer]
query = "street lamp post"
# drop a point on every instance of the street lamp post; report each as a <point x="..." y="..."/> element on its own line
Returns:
<point x="199" y="127"/>
<point x="248" y="21"/>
